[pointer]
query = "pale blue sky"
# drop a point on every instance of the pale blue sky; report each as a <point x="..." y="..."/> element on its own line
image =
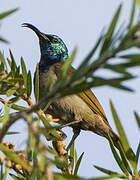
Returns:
<point x="78" y="23"/>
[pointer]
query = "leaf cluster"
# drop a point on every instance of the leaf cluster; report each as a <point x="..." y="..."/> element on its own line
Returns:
<point x="3" y="16"/>
<point x="16" y="85"/>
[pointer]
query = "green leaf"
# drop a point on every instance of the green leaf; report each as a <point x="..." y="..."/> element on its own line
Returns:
<point x="4" y="40"/>
<point x="24" y="72"/>
<point x="66" y="66"/>
<point x="124" y="159"/>
<point x="12" y="133"/>
<point x="14" y="157"/>
<point x="128" y="151"/>
<point x="29" y="84"/>
<point x="36" y="84"/>
<point x="16" y="177"/>
<point x="13" y="64"/>
<point x="84" y="65"/>
<point x="58" y="176"/>
<point x="138" y="153"/>
<point x="106" y="171"/>
<point x="75" y="156"/>
<point x="109" y="177"/>
<point x="76" y="88"/>
<point x="4" y="177"/>
<point x="5" y="117"/>
<point x="131" y="57"/>
<point x="10" y="92"/>
<point x="132" y="15"/>
<point x="117" y="157"/>
<point x="60" y="162"/>
<point x="72" y="154"/>
<point x="131" y="62"/>
<point x="78" y="164"/>
<point x="18" y="107"/>
<point x="138" y="2"/>
<point x="137" y="119"/>
<point x="7" y="13"/>
<point x="113" y="82"/>
<point x="119" y="127"/>
<point x="49" y="127"/>
<point x="108" y="37"/>
<point x="130" y="44"/>
<point x="129" y="37"/>
<point x="3" y="61"/>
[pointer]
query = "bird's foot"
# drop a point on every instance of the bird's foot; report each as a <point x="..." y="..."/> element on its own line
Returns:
<point x="75" y="135"/>
<point x="51" y="119"/>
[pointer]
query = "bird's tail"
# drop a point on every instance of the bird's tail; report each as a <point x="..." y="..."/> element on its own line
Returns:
<point x="115" y="138"/>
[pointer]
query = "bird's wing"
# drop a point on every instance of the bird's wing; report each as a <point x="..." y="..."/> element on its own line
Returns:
<point x="87" y="96"/>
<point x="90" y="99"/>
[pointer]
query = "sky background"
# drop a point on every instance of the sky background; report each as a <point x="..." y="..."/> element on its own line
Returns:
<point x="78" y="23"/>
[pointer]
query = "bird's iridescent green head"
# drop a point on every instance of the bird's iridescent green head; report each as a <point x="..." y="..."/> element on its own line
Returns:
<point x="52" y="48"/>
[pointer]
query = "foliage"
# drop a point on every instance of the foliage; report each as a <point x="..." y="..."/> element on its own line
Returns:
<point x="4" y="15"/>
<point x="16" y="85"/>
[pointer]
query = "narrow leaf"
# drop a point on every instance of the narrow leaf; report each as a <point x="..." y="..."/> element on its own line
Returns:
<point x="117" y="157"/>
<point x="108" y="37"/>
<point x="119" y="127"/>
<point x="124" y="159"/>
<point x="15" y="177"/>
<point x="138" y="2"/>
<point x="5" y="117"/>
<point x="36" y="84"/>
<point x="4" y="40"/>
<point x="4" y="177"/>
<point x="49" y="127"/>
<point x="2" y="59"/>
<point x="114" y="82"/>
<point x="67" y="65"/>
<point x="110" y="177"/>
<point x="10" y="92"/>
<point x="128" y="151"/>
<point x="7" y="13"/>
<point x="85" y="62"/>
<point x="72" y="154"/>
<point x="24" y="72"/>
<point x="18" y="107"/>
<point x="106" y="171"/>
<point x="75" y="157"/>
<point x="14" y="157"/>
<point x="138" y="153"/>
<point x="29" y="84"/>
<point x="132" y="15"/>
<point x="137" y="119"/>
<point x="12" y="133"/>
<point x="114" y="22"/>
<point x="13" y="64"/>
<point x="78" y="164"/>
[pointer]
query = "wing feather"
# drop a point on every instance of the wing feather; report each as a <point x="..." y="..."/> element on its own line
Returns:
<point x="87" y="96"/>
<point x="90" y="99"/>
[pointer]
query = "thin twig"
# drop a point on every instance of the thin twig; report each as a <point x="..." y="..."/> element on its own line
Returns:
<point x="12" y="119"/>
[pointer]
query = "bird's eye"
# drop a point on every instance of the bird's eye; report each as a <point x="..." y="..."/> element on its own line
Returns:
<point x="55" y="40"/>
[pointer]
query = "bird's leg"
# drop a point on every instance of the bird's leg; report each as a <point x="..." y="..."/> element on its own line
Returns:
<point x="76" y="133"/>
<point x="68" y="124"/>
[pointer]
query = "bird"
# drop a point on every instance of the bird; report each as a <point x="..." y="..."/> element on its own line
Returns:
<point x="80" y="111"/>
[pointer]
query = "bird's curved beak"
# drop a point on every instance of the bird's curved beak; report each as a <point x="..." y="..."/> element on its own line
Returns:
<point x="38" y="33"/>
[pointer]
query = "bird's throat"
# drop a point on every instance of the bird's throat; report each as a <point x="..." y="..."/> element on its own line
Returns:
<point x="45" y="63"/>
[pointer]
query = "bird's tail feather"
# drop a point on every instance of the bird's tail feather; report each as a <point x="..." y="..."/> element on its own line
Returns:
<point x="115" y="138"/>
